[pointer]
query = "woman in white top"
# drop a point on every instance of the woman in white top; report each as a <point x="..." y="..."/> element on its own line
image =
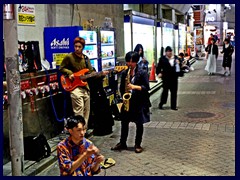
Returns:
<point x="212" y="54"/>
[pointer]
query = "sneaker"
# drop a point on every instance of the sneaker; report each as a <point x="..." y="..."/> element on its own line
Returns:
<point x="138" y="149"/>
<point x="119" y="146"/>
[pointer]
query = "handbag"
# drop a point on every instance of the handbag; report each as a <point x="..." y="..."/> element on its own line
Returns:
<point x="36" y="148"/>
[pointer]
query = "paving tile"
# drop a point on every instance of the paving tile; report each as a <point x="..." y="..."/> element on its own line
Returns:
<point x="198" y="126"/>
<point x="206" y="126"/>
<point x="161" y="124"/>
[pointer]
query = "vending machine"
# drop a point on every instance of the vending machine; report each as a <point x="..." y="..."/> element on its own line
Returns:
<point x="107" y="49"/>
<point x="107" y="59"/>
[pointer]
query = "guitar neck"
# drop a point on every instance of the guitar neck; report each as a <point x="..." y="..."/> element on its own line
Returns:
<point x="93" y="74"/>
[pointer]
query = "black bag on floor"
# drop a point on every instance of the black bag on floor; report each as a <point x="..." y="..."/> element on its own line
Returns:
<point x="36" y="148"/>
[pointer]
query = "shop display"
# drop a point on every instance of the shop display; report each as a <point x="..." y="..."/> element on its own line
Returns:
<point x="176" y="38"/>
<point x="190" y="43"/>
<point x="182" y="38"/>
<point x="139" y="30"/>
<point x="168" y="38"/>
<point x="159" y="39"/>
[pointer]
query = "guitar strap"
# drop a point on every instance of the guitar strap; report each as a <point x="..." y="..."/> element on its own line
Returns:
<point x="86" y="60"/>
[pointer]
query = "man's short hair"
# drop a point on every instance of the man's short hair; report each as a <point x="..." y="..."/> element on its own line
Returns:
<point x="79" y="40"/>
<point x="168" y="48"/>
<point x="132" y="55"/>
<point x="227" y="40"/>
<point x="73" y="121"/>
<point x="181" y="54"/>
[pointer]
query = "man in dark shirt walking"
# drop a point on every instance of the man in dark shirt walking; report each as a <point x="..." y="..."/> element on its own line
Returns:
<point x="168" y="69"/>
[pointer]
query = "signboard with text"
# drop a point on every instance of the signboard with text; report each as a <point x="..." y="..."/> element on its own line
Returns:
<point x="26" y="14"/>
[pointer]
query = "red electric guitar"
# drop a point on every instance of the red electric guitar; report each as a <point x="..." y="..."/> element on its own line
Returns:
<point x="80" y="78"/>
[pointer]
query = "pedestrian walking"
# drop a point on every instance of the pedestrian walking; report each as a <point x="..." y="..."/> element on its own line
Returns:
<point x="168" y="69"/>
<point x="227" y="51"/>
<point x="212" y="55"/>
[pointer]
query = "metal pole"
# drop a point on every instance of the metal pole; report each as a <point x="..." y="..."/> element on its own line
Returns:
<point x="14" y="96"/>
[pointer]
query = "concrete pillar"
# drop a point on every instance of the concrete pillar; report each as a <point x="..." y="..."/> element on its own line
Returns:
<point x="14" y="97"/>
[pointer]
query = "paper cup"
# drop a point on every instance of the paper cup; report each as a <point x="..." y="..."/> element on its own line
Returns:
<point x="54" y="65"/>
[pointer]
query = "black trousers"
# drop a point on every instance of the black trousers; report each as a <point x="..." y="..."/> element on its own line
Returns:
<point x="171" y="85"/>
<point x="125" y="129"/>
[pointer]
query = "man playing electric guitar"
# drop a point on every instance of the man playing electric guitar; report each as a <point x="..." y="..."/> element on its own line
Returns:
<point x="73" y="63"/>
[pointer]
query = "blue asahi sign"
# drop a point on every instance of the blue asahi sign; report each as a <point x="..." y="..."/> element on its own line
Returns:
<point x="59" y="41"/>
<point x="60" y="44"/>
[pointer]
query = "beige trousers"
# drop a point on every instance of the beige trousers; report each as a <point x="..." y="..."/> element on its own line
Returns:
<point x="81" y="103"/>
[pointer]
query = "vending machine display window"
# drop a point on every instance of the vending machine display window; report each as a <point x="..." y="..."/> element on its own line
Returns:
<point x="108" y="64"/>
<point x="89" y="36"/>
<point x="90" y="51"/>
<point x="107" y="51"/>
<point x="107" y="37"/>
<point x="94" y="64"/>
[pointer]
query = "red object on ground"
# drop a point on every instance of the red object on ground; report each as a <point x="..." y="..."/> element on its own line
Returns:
<point x="152" y="73"/>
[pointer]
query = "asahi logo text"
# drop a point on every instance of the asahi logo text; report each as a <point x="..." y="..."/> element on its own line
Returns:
<point x="60" y="44"/>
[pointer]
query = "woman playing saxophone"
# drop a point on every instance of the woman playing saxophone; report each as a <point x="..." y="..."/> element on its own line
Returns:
<point x="134" y="84"/>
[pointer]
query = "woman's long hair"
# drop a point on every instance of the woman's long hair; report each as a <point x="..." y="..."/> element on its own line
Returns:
<point x="137" y="48"/>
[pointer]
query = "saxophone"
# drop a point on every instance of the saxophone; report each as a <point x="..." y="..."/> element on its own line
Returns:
<point x="127" y="95"/>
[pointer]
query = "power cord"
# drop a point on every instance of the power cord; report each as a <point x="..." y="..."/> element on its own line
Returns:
<point x="50" y="92"/>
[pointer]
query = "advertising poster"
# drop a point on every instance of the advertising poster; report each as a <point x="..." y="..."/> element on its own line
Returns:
<point x="199" y="36"/>
<point x="58" y="57"/>
<point x="26" y="14"/>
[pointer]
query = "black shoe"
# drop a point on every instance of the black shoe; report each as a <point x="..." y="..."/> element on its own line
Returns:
<point x="175" y="109"/>
<point x="119" y="146"/>
<point x="160" y="106"/>
<point x="138" y="149"/>
<point x="89" y="133"/>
